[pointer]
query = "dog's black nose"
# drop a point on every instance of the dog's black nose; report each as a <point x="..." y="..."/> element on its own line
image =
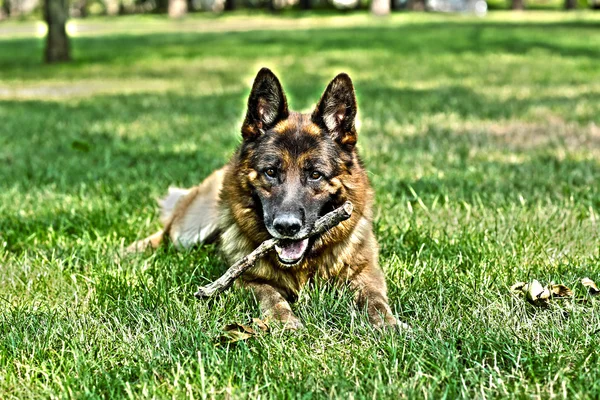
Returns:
<point x="287" y="225"/>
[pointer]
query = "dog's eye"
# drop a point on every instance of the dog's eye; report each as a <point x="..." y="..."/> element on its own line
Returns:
<point x="270" y="173"/>
<point x="315" y="175"/>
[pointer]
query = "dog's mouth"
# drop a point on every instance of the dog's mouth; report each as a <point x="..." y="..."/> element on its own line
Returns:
<point x="291" y="252"/>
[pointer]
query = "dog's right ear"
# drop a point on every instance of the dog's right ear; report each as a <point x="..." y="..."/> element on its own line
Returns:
<point x="266" y="105"/>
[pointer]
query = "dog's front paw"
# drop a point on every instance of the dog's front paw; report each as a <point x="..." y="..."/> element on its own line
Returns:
<point x="149" y="243"/>
<point x="139" y="246"/>
<point x="293" y="324"/>
<point x="381" y="317"/>
<point x="284" y="316"/>
<point x="390" y="323"/>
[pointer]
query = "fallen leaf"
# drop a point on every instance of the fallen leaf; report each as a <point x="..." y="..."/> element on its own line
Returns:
<point x="233" y="336"/>
<point x="518" y="287"/>
<point x="536" y="293"/>
<point x="591" y="285"/>
<point x="262" y="325"/>
<point x="236" y="332"/>
<point x="539" y="295"/>
<point x="235" y="327"/>
<point x="560" y="290"/>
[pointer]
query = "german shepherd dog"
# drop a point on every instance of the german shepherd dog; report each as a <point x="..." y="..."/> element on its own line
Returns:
<point x="289" y="170"/>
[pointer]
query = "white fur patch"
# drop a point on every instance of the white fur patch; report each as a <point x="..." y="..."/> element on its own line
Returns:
<point x="198" y="223"/>
<point x="194" y="235"/>
<point x="167" y="204"/>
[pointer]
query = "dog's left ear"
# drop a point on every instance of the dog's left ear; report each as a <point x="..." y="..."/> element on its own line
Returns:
<point x="336" y="111"/>
<point x="267" y="105"/>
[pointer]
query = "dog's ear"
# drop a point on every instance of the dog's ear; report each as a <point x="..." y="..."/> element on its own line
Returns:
<point x="266" y="105"/>
<point x="336" y="111"/>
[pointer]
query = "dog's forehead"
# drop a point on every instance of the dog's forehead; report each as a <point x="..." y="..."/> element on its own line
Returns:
<point x="295" y="141"/>
<point x="298" y="136"/>
<point x="297" y="123"/>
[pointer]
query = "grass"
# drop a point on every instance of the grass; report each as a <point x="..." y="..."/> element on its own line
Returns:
<point x="482" y="140"/>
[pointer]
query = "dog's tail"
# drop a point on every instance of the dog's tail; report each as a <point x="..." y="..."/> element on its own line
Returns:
<point x="189" y="216"/>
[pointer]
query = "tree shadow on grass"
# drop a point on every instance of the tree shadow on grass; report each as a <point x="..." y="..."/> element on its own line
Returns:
<point x="455" y="164"/>
<point x="426" y="40"/>
<point x="117" y="139"/>
<point x="413" y="104"/>
<point x="123" y="140"/>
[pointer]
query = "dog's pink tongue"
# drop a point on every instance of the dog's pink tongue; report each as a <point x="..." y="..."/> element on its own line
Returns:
<point x="291" y="251"/>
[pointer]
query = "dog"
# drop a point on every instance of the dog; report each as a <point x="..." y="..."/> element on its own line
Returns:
<point x="289" y="170"/>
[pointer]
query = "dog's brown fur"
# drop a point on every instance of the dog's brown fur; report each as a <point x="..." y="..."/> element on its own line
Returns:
<point x="225" y="204"/>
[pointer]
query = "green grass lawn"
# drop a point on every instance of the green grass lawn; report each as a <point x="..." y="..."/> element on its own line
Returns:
<point x="482" y="139"/>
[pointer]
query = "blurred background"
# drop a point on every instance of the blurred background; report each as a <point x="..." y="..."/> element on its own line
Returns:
<point x="177" y="8"/>
<point x="57" y="10"/>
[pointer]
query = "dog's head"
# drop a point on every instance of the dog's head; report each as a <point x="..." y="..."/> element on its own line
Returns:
<point x="296" y="161"/>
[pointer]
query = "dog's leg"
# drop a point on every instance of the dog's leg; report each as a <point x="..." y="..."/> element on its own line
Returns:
<point x="368" y="282"/>
<point x="151" y="242"/>
<point x="273" y="305"/>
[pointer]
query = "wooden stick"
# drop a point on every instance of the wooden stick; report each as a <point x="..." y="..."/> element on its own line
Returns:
<point x="322" y="225"/>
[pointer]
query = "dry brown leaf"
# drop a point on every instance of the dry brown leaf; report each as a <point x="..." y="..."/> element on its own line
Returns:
<point x="560" y="290"/>
<point x="239" y="328"/>
<point x="536" y="293"/>
<point x="518" y="287"/>
<point x="236" y="332"/>
<point x="234" y="336"/>
<point x="591" y="285"/>
<point x="262" y="325"/>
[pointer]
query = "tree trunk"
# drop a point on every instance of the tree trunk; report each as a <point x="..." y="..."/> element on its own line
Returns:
<point x="570" y="4"/>
<point x="112" y="7"/>
<point x="162" y="6"/>
<point x="518" y="4"/>
<point x="177" y="8"/>
<point x="56" y="13"/>
<point x="6" y="8"/>
<point x="82" y="7"/>
<point x="305" y="4"/>
<point x="380" y="7"/>
<point x="229" y="5"/>
<point x="416" y="5"/>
